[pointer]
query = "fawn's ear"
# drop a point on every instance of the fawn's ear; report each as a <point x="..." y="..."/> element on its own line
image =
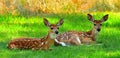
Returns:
<point x="46" y="22"/>
<point x="90" y="17"/>
<point x="104" y="18"/>
<point x="60" y="22"/>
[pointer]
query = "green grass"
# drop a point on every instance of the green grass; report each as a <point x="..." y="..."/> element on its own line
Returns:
<point x="18" y="26"/>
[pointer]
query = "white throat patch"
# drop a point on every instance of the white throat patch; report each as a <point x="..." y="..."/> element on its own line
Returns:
<point x="96" y="31"/>
<point x="53" y="36"/>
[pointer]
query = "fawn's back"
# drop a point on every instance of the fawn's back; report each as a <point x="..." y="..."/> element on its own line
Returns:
<point x="26" y="43"/>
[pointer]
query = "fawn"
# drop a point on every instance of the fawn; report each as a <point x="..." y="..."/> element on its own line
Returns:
<point x="40" y="43"/>
<point x="77" y="38"/>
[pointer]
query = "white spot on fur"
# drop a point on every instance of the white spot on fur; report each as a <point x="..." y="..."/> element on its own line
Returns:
<point x="78" y="39"/>
<point x="42" y="43"/>
<point x="82" y="34"/>
<point x="13" y="46"/>
<point x="62" y="38"/>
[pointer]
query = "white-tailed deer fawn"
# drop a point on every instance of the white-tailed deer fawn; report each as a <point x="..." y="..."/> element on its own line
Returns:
<point x="40" y="43"/>
<point x="74" y="37"/>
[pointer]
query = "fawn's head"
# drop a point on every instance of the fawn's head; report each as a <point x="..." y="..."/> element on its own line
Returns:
<point x="53" y="27"/>
<point x="98" y="23"/>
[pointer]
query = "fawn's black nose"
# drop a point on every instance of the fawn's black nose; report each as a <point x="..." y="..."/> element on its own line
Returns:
<point x="98" y="30"/>
<point x="56" y="32"/>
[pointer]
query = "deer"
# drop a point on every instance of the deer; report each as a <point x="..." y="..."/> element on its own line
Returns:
<point x="80" y="37"/>
<point x="37" y="43"/>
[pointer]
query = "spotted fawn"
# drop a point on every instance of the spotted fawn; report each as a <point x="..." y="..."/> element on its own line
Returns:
<point x="77" y="38"/>
<point x="37" y="43"/>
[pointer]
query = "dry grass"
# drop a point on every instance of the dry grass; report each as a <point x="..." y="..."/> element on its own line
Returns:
<point x="34" y="7"/>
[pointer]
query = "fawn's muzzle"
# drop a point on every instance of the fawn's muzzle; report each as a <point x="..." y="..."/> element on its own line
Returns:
<point x="56" y="32"/>
<point x="98" y="30"/>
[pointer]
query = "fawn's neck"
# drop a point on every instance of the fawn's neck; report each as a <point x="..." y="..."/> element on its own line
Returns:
<point x="92" y="33"/>
<point x="50" y="37"/>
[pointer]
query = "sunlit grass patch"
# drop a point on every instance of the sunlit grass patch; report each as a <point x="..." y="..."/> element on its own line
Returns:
<point x="19" y="26"/>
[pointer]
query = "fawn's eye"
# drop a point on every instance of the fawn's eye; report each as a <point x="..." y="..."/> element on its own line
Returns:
<point x="100" y="24"/>
<point x="57" y="28"/>
<point x="94" y="24"/>
<point x="51" y="28"/>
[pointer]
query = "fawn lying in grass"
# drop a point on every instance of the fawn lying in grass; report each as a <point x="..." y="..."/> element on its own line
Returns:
<point x="40" y="43"/>
<point x="77" y="38"/>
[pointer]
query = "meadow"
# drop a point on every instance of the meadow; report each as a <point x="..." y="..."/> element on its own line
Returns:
<point x="20" y="26"/>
